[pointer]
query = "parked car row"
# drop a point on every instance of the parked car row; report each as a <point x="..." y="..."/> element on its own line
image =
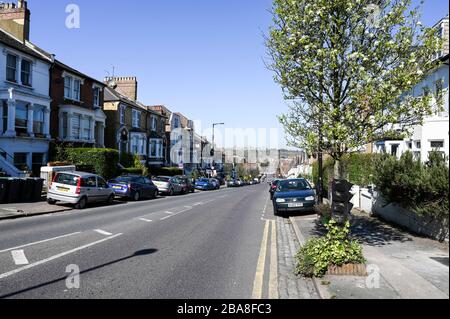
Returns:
<point x="81" y="189"/>
<point x="292" y="195"/>
<point x="240" y="183"/>
<point x="207" y="184"/>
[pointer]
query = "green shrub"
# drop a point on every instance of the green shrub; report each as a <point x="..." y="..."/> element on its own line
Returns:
<point x="127" y="159"/>
<point x="421" y="188"/>
<point x="104" y="161"/>
<point x="337" y="248"/>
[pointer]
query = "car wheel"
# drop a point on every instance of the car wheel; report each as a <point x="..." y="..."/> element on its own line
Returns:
<point x="81" y="204"/>
<point x="51" y="202"/>
<point x="171" y="192"/>
<point x="155" y="194"/>
<point x="183" y="191"/>
<point x="136" y="196"/>
<point x="110" y="200"/>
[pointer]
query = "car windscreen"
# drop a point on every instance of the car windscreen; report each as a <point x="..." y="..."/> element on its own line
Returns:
<point x="293" y="185"/>
<point x="161" y="179"/>
<point x="203" y="180"/>
<point x="67" y="179"/>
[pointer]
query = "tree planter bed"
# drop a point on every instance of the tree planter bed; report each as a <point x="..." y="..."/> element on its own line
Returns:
<point x="348" y="270"/>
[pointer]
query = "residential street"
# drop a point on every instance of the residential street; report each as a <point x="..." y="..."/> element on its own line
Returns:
<point x="204" y="245"/>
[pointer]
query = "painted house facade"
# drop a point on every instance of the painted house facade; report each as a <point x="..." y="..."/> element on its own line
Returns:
<point x="77" y="116"/>
<point x="433" y="135"/>
<point x="24" y="95"/>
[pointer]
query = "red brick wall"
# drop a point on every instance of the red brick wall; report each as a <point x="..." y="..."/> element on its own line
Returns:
<point x="57" y="95"/>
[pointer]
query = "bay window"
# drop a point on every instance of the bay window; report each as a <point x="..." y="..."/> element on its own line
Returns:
<point x="76" y="126"/>
<point x="156" y="148"/>
<point x="21" y="118"/>
<point x="86" y="129"/>
<point x="38" y="121"/>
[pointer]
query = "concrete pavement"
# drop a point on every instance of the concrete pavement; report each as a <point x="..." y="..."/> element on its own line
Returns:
<point x="401" y="265"/>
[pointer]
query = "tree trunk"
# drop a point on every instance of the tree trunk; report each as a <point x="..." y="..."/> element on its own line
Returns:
<point x="338" y="171"/>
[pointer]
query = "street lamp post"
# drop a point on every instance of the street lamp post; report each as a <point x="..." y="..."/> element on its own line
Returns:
<point x="213" y="137"/>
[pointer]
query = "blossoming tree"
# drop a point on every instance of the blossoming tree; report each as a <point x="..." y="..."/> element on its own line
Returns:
<point x="348" y="68"/>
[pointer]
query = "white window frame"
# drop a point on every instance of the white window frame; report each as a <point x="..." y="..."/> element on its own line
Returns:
<point x="72" y="92"/>
<point x="15" y="70"/>
<point x="96" y="93"/>
<point x="122" y="110"/>
<point x="30" y="75"/>
<point x="136" y="118"/>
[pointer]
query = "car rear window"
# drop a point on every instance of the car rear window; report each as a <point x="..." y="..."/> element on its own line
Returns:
<point x="67" y="179"/>
<point x="123" y="179"/>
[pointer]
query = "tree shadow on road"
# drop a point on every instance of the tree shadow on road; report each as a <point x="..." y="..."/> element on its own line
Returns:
<point x="140" y="253"/>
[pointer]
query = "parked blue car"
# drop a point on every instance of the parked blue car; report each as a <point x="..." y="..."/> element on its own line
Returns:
<point x="205" y="184"/>
<point x="294" y="195"/>
<point x="133" y="187"/>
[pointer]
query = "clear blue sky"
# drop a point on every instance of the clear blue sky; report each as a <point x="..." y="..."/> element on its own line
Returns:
<point x="203" y="58"/>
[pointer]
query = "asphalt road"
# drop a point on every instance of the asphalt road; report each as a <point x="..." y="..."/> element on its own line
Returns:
<point x="204" y="245"/>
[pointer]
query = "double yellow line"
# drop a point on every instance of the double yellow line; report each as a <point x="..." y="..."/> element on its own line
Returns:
<point x="273" y="267"/>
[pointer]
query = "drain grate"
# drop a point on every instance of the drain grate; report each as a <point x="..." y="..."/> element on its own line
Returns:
<point x="442" y="260"/>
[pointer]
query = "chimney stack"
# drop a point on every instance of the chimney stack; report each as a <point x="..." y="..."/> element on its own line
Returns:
<point x="16" y="19"/>
<point x="124" y="85"/>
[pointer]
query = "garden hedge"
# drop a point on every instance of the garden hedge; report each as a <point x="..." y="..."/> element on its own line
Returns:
<point x="358" y="168"/>
<point x="104" y="161"/>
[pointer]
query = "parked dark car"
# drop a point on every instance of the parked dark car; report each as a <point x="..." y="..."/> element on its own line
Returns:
<point x="273" y="187"/>
<point x="205" y="184"/>
<point x="294" y="195"/>
<point x="169" y="185"/>
<point x="189" y="187"/>
<point x="232" y="183"/>
<point x="133" y="187"/>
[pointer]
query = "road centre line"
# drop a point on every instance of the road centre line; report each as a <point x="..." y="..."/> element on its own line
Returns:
<point x="145" y="220"/>
<point x="19" y="257"/>
<point x="39" y="242"/>
<point x="44" y="261"/>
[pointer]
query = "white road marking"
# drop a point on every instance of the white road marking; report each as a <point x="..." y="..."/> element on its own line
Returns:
<point x="102" y="232"/>
<point x="146" y="220"/>
<point x="164" y="218"/>
<point x="19" y="257"/>
<point x="44" y="261"/>
<point x="39" y="242"/>
<point x="169" y="213"/>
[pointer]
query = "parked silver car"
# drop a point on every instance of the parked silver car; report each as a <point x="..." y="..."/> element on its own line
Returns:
<point x="170" y="185"/>
<point x="79" y="189"/>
